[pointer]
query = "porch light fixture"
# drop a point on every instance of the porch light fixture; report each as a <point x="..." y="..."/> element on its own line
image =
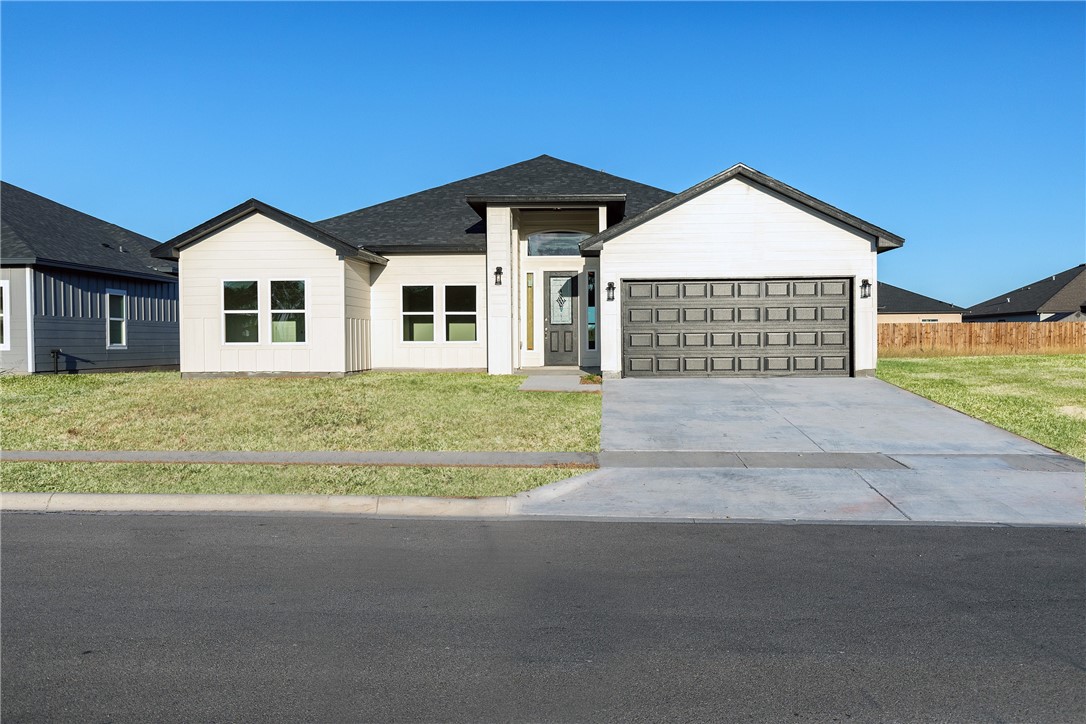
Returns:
<point x="610" y="291"/>
<point x="497" y="276"/>
<point x="865" y="289"/>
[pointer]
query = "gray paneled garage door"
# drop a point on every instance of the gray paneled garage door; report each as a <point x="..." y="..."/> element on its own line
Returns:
<point x="736" y="327"/>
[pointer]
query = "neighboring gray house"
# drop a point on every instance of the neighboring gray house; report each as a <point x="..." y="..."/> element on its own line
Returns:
<point x="1058" y="298"/>
<point x="80" y="285"/>
<point x="901" y="305"/>
<point x="543" y="263"/>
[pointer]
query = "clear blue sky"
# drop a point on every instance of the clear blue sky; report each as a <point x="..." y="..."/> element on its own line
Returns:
<point x="958" y="126"/>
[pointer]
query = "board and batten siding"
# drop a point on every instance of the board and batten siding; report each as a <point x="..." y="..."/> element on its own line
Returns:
<point x="740" y="230"/>
<point x="356" y="286"/>
<point x="13" y="353"/>
<point x="389" y="350"/>
<point x="70" y="315"/>
<point x="260" y="249"/>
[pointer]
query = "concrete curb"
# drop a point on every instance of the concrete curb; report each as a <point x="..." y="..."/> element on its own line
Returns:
<point x="409" y="458"/>
<point x="335" y="504"/>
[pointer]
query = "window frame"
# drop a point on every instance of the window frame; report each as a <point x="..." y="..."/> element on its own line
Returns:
<point x="223" y="311"/>
<point x="272" y="311"/>
<point x="432" y="313"/>
<point x="445" y="314"/>
<point x="440" y="314"/>
<point x="123" y="294"/>
<point x="528" y="244"/>
<point x="5" y="314"/>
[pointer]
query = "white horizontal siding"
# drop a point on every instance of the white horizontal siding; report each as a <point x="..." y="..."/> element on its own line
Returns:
<point x="740" y="230"/>
<point x="260" y="249"/>
<point x="437" y="270"/>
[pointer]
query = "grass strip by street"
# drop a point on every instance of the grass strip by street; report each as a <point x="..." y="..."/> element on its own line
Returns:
<point x="274" y="479"/>
<point x="369" y="411"/>
<point x="1040" y="397"/>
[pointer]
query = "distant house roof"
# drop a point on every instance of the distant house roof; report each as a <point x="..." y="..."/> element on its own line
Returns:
<point x="171" y="248"/>
<point x="885" y="239"/>
<point x="895" y="300"/>
<point x="37" y="230"/>
<point x="441" y="218"/>
<point x="1059" y="293"/>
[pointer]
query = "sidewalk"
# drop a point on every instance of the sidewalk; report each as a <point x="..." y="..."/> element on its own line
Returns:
<point x="1010" y="489"/>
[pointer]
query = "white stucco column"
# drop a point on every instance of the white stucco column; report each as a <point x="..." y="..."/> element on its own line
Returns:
<point x="499" y="308"/>
<point x="610" y="320"/>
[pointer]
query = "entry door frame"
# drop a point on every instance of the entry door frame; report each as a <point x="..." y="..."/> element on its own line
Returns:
<point x="561" y="341"/>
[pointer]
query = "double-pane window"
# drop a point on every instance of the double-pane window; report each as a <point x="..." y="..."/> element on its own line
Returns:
<point x="460" y="314"/>
<point x="116" y="319"/>
<point x="288" y="311"/>
<point x="418" y="314"/>
<point x="241" y="320"/>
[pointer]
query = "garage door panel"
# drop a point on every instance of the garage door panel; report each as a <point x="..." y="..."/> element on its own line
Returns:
<point x="737" y="327"/>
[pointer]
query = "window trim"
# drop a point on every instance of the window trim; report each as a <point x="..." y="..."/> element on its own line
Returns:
<point x="123" y="294"/>
<point x="433" y="313"/>
<point x="223" y="312"/>
<point x="271" y="312"/>
<point x="439" y="314"/>
<point x="445" y="315"/>
<point x="528" y="244"/>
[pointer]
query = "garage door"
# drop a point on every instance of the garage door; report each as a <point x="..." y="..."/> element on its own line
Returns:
<point x="736" y="327"/>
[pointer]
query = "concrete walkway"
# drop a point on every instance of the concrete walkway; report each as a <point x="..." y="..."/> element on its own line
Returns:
<point x="556" y="383"/>
<point x="810" y="449"/>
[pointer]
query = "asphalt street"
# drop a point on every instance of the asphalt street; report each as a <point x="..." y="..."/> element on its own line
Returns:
<point x="241" y="618"/>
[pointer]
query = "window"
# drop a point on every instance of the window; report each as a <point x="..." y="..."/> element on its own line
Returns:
<point x="460" y="321"/>
<point x="418" y="314"/>
<point x="928" y="320"/>
<point x="288" y="312"/>
<point x="116" y="318"/>
<point x="531" y="310"/>
<point x="591" y="330"/>
<point x="556" y="243"/>
<point x="5" y="319"/>
<point x="240" y="317"/>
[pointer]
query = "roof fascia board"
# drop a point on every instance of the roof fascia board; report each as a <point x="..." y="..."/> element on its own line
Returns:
<point x="884" y="239"/>
<point x="172" y="248"/>
<point x="109" y="271"/>
<point x="432" y="249"/>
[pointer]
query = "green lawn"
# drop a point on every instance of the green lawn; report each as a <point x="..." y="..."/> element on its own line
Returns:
<point x="371" y="411"/>
<point x="273" y="479"/>
<point x="1041" y="397"/>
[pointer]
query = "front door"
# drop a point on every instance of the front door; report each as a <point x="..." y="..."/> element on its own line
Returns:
<point x="560" y="318"/>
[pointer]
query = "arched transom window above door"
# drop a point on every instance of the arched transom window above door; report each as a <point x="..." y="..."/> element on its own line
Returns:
<point x="556" y="243"/>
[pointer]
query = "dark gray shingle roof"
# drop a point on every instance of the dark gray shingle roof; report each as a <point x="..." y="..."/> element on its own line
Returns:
<point x="37" y="230"/>
<point x="440" y="218"/>
<point x="895" y="300"/>
<point x="1063" y="292"/>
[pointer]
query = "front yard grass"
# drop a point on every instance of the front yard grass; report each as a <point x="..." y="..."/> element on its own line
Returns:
<point x="273" y="479"/>
<point x="370" y="411"/>
<point x="1040" y="397"/>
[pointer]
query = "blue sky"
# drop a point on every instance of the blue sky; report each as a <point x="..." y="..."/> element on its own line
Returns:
<point x="958" y="126"/>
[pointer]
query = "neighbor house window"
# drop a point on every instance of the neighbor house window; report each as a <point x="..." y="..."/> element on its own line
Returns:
<point x="929" y="320"/>
<point x="460" y="315"/>
<point x="556" y="243"/>
<point x="241" y="321"/>
<point x="288" y="311"/>
<point x="5" y="319"/>
<point x="418" y="314"/>
<point x="116" y="318"/>
<point x="591" y="331"/>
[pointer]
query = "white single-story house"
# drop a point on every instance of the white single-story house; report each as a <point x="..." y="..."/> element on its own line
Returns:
<point x="540" y="264"/>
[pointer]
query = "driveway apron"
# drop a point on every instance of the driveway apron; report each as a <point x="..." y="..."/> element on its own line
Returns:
<point x="810" y="449"/>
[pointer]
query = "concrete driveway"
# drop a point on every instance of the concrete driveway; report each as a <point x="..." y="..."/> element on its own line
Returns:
<point x="810" y="449"/>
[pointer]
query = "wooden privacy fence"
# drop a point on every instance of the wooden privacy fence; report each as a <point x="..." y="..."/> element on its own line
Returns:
<point x="981" y="338"/>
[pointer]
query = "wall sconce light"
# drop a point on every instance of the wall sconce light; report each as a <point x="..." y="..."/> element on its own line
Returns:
<point x="497" y="276"/>
<point x="865" y="289"/>
<point x="610" y="291"/>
